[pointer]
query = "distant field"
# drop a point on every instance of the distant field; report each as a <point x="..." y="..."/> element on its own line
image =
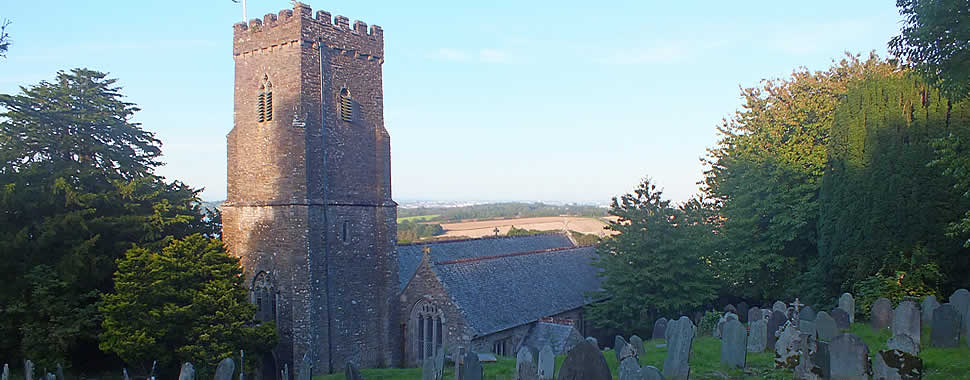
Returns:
<point x="487" y="227"/>
<point x="417" y="218"/>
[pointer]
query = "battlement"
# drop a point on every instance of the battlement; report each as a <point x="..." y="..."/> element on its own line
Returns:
<point x="304" y="12"/>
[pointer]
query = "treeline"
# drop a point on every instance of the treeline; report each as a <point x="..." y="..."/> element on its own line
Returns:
<point x="409" y="231"/>
<point x="856" y="178"/>
<point x="502" y="210"/>
<point x="579" y="237"/>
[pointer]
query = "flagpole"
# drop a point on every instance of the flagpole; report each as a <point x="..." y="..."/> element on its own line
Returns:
<point x="244" y="11"/>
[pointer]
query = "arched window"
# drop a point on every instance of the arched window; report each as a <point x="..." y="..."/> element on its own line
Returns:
<point x="264" y="101"/>
<point x="346" y="105"/>
<point x="427" y="331"/>
<point x="264" y="297"/>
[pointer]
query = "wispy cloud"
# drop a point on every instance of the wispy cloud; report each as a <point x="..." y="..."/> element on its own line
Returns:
<point x="659" y="53"/>
<point x="485" y="55"/>
<point x="807" y="39"/>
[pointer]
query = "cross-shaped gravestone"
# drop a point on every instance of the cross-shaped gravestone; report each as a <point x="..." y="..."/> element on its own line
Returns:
<point x="795" y="317"/>
<point x="496" y="231"/>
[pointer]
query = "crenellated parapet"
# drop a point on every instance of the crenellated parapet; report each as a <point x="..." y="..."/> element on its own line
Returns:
<point x="290" y="26"/>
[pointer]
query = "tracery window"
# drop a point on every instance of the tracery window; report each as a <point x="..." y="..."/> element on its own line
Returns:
<point x="264" y="101"/>
<point x="264" y="297"/>
<point x="427" y="331"/>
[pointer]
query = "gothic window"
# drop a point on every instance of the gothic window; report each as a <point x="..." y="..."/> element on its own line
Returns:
<point x="346" y="105"/>
<point x="264" y="101"/>
<point x="427" y="331"/>
<point x="264" y="296"/>
<point x="344" y="231"/>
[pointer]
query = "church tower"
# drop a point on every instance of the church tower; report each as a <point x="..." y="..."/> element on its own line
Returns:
<point x="309" y="209"/>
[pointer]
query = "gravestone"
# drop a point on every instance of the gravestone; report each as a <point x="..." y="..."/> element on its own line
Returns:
<point x="734" y="344"/>
<point x="807" y="327"/>
<point x="786" y="348"/>
<point x="743" y="311"/>
<point x="849" y="358"/>
<point x="729" y="308"/>
<point x="60" y="372"/>
<point x="842" y="318"/>
<point x="187" y="372"/>
<point x="903" y="343"/>
<point x="124" y="374"/>
<point x="718" y="326"/>
<point x="754" y="314"/>
<point x="658" y="328"/>
<point x="547" y="363"/>
<point x="6" y="372"/>
<point x="629" y="369"/>
<point x="584" y="361"/>
<point x="807" y="313"/>
<point x="807" y="368"/>
<point x="758" y="336"/>
<point x="618" y="345"/>
<point x="524" y="356"/>
<point x="285" y="372"/>
<point x="881" y="314"/>
<point x="458" y="355"/>
<point x="472" y="368"/>
<point x="527" y="371"/>
<point x="637" y="344"/>
<point x="225" y="369"/>
<point x="825" y="327"/>
<point x="945" y="329"/>
<point x="847" y="303"/>
<point x="593" y="341"/>
<point x="896" y="365"/>
<point x="775" y="323"/>
<point x="929" y="304"/>
<point x="487" y="357"/>
<point x="651" y="373"/>
<point x="680" y="339"/>
<point x="351" y="372"/>
<point x="50" y="376"/>
<point x="822" y="359"/>
<point x="627" y="352"/>
<point x="961" y="301"/>
<point x="306" y="368"/>
<point x="779" y="306"/>
<point x="29" y="370"/>
<point x="906" y="321"/>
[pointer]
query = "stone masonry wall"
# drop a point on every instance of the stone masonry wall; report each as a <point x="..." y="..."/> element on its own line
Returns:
<point x="426" y="286"/>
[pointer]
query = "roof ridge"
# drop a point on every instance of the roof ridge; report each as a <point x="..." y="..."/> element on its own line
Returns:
<point x="479" y="238"/>
<point x="483" y="258"/>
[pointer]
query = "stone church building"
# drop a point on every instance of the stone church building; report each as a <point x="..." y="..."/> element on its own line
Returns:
<point x="310" y="214"/>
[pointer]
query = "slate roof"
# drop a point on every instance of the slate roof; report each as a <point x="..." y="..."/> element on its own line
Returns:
<point x="559" y="337"/>
<point x="409" y="255"/>
<point x="500" y="292"/>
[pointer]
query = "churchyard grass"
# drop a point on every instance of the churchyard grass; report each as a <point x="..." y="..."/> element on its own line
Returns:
<point x="705" y="361"/>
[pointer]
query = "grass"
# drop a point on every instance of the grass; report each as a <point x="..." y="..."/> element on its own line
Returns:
<point x="418" y="218"/>
<point x="705" y="361"/>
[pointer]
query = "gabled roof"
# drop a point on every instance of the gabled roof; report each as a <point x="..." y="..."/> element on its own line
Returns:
<point x="499" y="292"/>
<point x="409" y="255"/>
<point x="559" y="337"/>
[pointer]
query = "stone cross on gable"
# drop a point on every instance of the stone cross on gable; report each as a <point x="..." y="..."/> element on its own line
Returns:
<point x="795" y="317"/>
<point x="426" y="249"/>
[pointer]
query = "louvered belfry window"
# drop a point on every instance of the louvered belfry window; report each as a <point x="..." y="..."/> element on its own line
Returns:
<point x="264" y="101"/>
<point x="346" y="105"/>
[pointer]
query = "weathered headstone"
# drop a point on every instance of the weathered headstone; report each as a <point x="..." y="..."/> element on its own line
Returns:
<point x="472" y="368"/>
<point x="822" y="359"/>
<point x="50" y="376"/>
<point x="734" y="343"/>
<point x="786" y="348"/>
<point x="743" y="311"/>
<point x="593" y="341"/>
<point x="896" y="365"/>
<point x="681" y="338"/>
<point x="627" y="352"/>
<point x="651" y="373"/>
<point x="6" y="372"/>
<point x="28" y="370"/>
<point x="351" y="372"/>
<point x="547" y="363"/>
<point x="779" y="306"/>
<point x="842" y="318"/>
<point x="524" y="356"/>
<point x="945" y="329"/>
<point x="285" y="372"/>
<point x="584" y="361"/>
<point x="807" y="314"/>
<point x="629" y="369"/>
<point x="637" y="344"/>
<point x="758" y="336"/>
<point x="847" y="303"/>
<point x="881" y="314"/>
<point x="434" y="367"/>
<point x="659" y="327"/>
<point x="124" y="374"/>
<point x="618" y="344"/>
<point x="527" y="371"/>
<point x="926" y="308"/>
<point x="807" y="368"/>
<point x="754" y="314"/>
<point x="718" y="326"/>
<point x="905" y="321"/>
<point x="849" y="358"/>
<point x="729" y="308"/>
<point x="775" y="323"/>
<point x="961" y="301"/>
<point x="60" y="372"/>
<point x="903" y="343"/>
<point x="225" y="369"/>
<point x="306" y="368"/>
<point x="807" y="327"/>
<point x="187" y="372"/>
<point x="826" y="327"/>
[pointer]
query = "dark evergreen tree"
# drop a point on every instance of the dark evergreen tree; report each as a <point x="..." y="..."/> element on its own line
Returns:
<point x="936" y="41"/>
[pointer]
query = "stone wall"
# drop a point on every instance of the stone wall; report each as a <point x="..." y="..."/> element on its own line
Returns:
<point x="425" y="286"/>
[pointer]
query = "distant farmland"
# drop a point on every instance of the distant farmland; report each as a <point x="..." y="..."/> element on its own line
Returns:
<point x="480" y="228"/>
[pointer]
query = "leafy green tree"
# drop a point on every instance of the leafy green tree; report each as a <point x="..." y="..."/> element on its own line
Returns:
<point x="765" y="174"/>
<point x="184" y="303"/>
<point x="936" y="40"/>
<point x="659" y="263"/>
<point x="77" y="191"/>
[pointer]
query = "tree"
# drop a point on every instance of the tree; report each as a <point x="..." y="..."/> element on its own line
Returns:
<point x="78" y="191"/>
<point x="659" y="263"/>
<point x="4" y="38"/>
<point x="184" y="303"/>
<point x="936" y="40"/>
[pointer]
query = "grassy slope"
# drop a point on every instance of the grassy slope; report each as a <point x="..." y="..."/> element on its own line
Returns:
<point x="949" y="364"/>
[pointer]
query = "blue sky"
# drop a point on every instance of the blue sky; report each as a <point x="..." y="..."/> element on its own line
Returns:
<point x="501" y="100"/>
